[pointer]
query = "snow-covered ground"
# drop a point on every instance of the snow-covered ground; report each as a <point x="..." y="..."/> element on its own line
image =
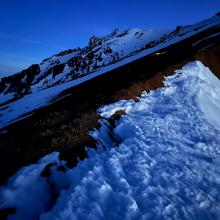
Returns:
<point x="161" y="161"/>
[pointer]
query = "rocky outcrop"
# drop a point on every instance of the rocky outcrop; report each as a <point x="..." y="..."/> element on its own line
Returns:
<point x="19" y="84"/>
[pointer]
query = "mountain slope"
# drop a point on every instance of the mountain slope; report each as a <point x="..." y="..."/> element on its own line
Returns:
<point x="39" y="85"/>
<point x="160" y="161"/>
<point x="74" y="63"/>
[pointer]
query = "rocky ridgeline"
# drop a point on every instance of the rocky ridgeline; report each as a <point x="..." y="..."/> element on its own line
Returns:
<point x="83" y="61"/>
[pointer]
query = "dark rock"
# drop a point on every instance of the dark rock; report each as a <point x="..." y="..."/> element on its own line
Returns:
<point x="47" y="170"/>
<point x="4" y="213"/>
<point x="20" y="83"/>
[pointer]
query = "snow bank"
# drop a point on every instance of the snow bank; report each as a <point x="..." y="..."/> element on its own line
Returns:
<point x="30" y="192"/>
<point x="165" y="166"/>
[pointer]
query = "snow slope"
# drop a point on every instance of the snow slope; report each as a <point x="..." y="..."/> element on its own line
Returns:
<point x="161" y="161"/>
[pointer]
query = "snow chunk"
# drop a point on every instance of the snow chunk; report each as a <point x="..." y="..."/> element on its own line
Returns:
<point x="108" y="110"/>
<point x="29" y="192"/>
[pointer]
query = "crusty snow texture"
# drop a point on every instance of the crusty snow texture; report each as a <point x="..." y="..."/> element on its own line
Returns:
<point x="161" y="161"/>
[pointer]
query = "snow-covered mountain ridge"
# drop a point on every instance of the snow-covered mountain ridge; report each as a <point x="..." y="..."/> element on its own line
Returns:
<point x="74" y="63"/>
<point x="100" y="52"/>
<point x="42" y="84"/>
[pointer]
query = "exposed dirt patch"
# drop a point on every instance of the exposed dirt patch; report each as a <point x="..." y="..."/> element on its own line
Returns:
<point x="211" y="58"/>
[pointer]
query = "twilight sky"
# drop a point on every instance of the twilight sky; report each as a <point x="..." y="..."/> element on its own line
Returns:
<point x="31" y="30"/>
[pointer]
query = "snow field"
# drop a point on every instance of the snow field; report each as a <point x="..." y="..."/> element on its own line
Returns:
<point x="162" y="162"/>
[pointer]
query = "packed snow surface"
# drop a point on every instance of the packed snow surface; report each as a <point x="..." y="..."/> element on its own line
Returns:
<point x="160" y="161"/>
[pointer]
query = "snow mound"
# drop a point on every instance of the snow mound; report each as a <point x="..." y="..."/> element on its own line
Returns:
<point x="166" y="164"/>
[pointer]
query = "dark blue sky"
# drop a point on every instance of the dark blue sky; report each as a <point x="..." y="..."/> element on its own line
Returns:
<point x="32" y="30"/>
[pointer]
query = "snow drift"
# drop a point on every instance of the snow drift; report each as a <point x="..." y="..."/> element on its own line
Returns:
<point x="161" y="161"/>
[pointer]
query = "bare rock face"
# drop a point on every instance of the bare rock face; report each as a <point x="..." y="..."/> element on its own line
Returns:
<point x="20" y="83"/>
